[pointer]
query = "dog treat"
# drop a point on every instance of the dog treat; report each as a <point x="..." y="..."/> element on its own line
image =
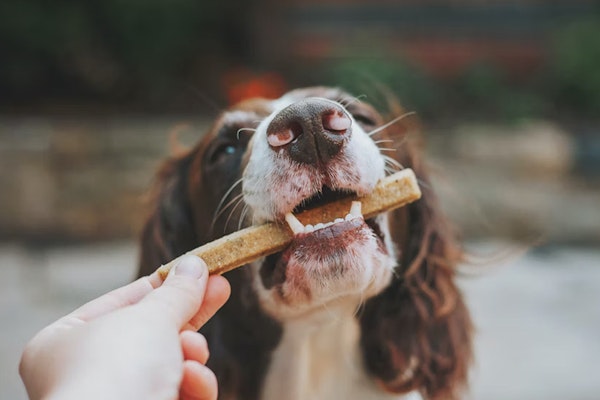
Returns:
<point x="249" y="244"/>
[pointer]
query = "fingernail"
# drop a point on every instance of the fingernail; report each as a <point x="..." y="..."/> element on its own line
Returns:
<point x="191" y="266"/>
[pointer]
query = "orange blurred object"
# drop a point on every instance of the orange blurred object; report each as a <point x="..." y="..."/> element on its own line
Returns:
<point x="241" y="84"/>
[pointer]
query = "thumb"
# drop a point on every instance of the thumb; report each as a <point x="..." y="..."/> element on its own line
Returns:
<point x="179" y="298"/>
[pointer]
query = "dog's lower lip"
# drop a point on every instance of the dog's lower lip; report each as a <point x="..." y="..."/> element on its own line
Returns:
<point x="329" y="233"/>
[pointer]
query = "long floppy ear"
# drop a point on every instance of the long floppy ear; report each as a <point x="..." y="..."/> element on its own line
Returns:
<point x="168" y="231"/>
<point x="416" y="334"/>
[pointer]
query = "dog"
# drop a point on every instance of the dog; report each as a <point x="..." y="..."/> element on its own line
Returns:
<point x="353" y="308"/>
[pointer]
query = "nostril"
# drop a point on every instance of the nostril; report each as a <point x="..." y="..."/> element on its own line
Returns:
<point x="336" y="122"/>
<point x="280" y="138"/>
<point x="284" y="136"/>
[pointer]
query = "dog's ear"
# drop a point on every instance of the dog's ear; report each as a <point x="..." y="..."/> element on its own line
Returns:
<point x="416" y="334"/>
<point x="168" y="231"/>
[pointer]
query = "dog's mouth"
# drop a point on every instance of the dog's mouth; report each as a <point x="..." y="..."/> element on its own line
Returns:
<point x="301" y="230"/>
<point x="327" y="239"/>
<point x="324" y="229"/>
<point x="335" y="230"/>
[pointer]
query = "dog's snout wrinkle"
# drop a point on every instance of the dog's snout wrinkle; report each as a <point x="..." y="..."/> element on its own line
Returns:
<point x="310" y="131"/>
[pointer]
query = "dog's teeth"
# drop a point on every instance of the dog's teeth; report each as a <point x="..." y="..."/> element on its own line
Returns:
<point x="355" y="209"/>
<point x="295" y="225"/>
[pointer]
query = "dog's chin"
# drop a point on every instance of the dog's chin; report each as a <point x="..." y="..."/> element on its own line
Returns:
<point x="345" y="263"/>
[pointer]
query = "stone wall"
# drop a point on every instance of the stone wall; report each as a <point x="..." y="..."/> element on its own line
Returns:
<point x="79" y="179"/>
<point x="520" y="182"/>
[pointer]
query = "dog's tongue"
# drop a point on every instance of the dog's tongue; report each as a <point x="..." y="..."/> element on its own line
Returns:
<point x="299" y="229"/>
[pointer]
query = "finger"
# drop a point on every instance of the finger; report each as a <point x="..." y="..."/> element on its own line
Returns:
<point x="198" y="383"/>
<point x="194" y="346"/>
<point x="118" y="298"/>
<point x="180" y="296"/>
<point x="217" y="293"/>
<point x="155" y="279"/>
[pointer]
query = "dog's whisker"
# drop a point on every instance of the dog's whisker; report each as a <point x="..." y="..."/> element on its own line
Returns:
<point x="227" y="193"/>
<point x="243" y="215"/>
<point x="239" y="200"/>
<point x="392" y="122"/>
<point x="231" y="188"/>
<point x="237" y="135"/>
<point x="229" y="204"/>
<point x="393" y="168"/>
<point x="384" y="141"/>
<point x="387" y="149"/>
<point x="346" y="101"/>
<point x="391" y="165"/>
<point x="392" y="162"/>
<point x="390" y="171"/>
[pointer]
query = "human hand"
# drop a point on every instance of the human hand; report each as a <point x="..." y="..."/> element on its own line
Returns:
<point x="136" y="342"/>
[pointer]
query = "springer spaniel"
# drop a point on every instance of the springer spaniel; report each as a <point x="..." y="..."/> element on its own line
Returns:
<point x="351" y="310"/>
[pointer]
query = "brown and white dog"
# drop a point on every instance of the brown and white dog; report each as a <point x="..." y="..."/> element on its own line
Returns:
<point x="354" y="309"/>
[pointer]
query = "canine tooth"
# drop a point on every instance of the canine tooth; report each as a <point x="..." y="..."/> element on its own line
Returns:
<point x="355" y="209"/>
<point x="295" y="225"/>
<point x="349" y="217"/>
<point x="309" y="228"/>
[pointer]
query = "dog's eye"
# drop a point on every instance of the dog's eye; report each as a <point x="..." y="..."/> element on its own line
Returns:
<point x="222" y="151"/>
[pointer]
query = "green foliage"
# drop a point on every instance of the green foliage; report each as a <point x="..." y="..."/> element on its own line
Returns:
<point x="73" y="45"/>
<point x="575" y="66"/>
<point x="485" y="90"/>
<point x="482" y="83"/>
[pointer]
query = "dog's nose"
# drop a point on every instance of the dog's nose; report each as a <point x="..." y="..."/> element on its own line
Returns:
<point x="311" y="130"/>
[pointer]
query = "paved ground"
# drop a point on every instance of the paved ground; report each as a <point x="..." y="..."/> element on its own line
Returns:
<point x="538" y="315"/>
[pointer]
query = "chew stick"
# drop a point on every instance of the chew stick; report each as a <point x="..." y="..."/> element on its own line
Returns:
<point x="249" y="244"/>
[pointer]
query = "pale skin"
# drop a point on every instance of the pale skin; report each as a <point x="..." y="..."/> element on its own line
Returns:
<point x="136" y="342"/>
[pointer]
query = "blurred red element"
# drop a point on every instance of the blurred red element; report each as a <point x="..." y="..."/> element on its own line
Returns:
<point x="241" y="84"/>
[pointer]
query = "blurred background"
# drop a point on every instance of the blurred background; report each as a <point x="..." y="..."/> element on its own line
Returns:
<point x="507" y="93"/>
